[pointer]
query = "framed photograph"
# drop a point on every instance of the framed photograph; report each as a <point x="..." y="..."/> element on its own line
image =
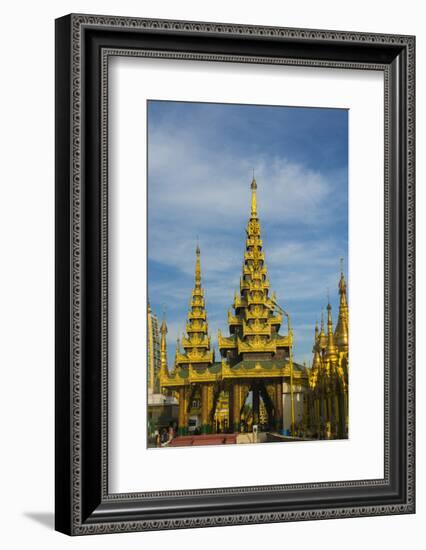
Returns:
<point x="234" y="274"/>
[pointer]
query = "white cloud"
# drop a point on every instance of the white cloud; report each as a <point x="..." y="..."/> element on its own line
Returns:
<point x="186" y="182"/>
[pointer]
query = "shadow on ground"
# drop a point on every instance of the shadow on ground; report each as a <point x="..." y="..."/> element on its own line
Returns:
<point x="47" y="519"/>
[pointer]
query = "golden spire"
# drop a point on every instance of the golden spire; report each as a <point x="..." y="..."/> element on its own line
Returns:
<point x="331" y="350"/>
<point x="254" y="326"/>
<point x="253" y="187"/>
<point x="316" y="338"/>
<point x="177" y="350"/>
<point x="197" y="267"/>
<point x="164" y="371"/>
<point x="342" y="327"/>
<point x="151" y="348"/>
<point x="196" y="343"/>
<point x="316" y="366"/>
<point x="322" y="339"/>
<point x="316" y="362"/>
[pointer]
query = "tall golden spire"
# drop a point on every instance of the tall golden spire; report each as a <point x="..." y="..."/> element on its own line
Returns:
<point x="255" y="323"/>
<point x="315" y="369"/>
<point x="342" y="327"/>
<point x="331" y="350"/>
<point x="164" y="371"/>
<point x="177" y="349"/>
<point x="196" y="344"/>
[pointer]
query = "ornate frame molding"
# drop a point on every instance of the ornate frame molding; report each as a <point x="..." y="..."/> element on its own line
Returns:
<point x="85" y="507"/>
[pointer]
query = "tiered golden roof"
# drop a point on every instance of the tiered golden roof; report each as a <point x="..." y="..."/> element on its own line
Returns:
<point x="196" y="344"/>
<point x="255" y="322"/>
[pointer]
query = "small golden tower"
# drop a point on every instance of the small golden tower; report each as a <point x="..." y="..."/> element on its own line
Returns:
<point x="196" y="343"/>
<point x="327" y="400"/>
<point x="342" y="328"/>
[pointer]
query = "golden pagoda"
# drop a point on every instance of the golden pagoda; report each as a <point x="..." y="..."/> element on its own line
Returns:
<point x="255" y="358"/>
<point x="326" y="411"/>
<point x="196" y="343"/>
<point x="342" y="328"/>
<point x="194" y="368"/>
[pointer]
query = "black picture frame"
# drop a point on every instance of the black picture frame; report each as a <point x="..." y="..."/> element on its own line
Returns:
<point x="83" y="44"/>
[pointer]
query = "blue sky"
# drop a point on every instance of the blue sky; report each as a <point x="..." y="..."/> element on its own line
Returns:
<point x="200" y="162"/>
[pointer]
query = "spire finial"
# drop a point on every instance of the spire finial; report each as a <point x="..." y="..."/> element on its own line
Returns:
<point x="253" y="188"/>
<point x="197" y="266"/>
<point x="163" y="327"/>
<point x="253" y="182"/>
<point x="329" y="318"/>
<point x="342" y="284"/>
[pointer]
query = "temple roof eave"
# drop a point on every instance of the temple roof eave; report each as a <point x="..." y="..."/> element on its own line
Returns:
<point x="243" y="370"/>
<point x="192" y="357"/>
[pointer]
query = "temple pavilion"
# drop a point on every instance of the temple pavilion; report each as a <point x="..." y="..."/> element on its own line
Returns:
<point x="256" y="362"/>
